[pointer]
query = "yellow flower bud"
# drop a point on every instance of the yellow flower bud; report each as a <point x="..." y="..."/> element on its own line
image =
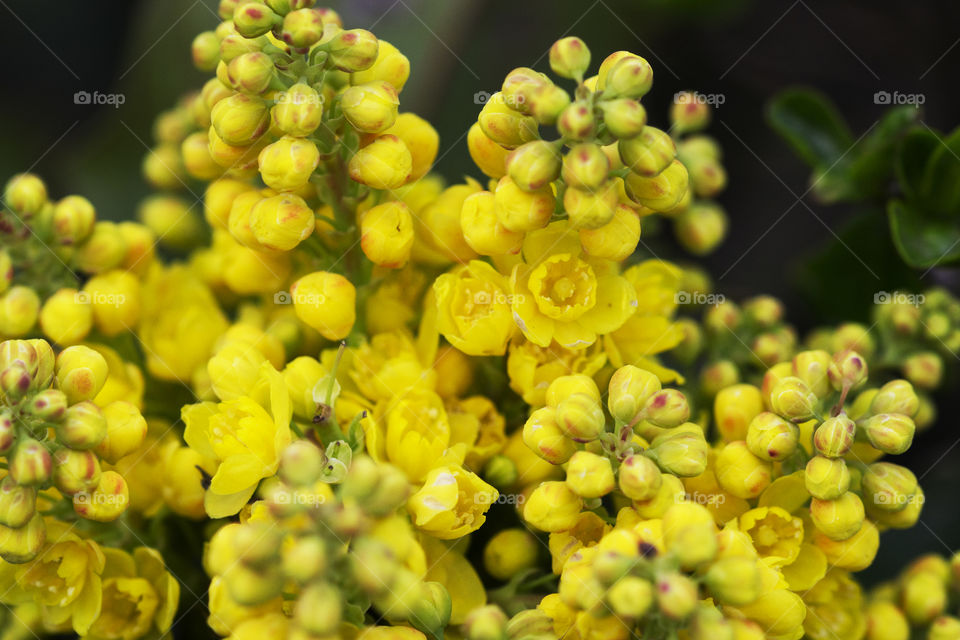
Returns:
<point x="75" y="471"/>
<point x="687" y="113"/>
<point x="371" y="107"/>
<point x="489" y="156"/>
<point x="661" y="192"/>
<point x="624" y="118"/>
<point x="772" y="438"/>
<point x="325" y="301"/>
<point x="734" y="580"/>
<point x="19" y="310"/>
<point x="240" y="119"/>
<point x="534" y="165"/>
<point x="701" y="227"/>
<point x="676" y="595"/>
<point x="219" y="198"/>
<point x="548" y="102"/>
<point x="17" y="503"/>
<point x="826" y="478"/>
<point x="667" y="409"/>
<point x="590" y="475"/>
<point x="73" y="219"/>
<point x="509" y="552"/>
<point x="924" y="597"/>
<point x="838" y="519"/>
<point x="897" y="396"/>
<point x="22" y="544"/>
<point x="126" y="430"/>
<point x="616" y="240"/>
<point x="553" y="507"/>
<point x="889" y="432"/>
<point x="586" y="167"/>
<point x="569" y="57"/>
<point x="254" y="19"/>
<point x="82" y="427"/>
<point x="581" y="417"/>
<point x="505" y="126"/>
<point x="835" y="436"/>
<point x="103" y="250"/>
<point x="888" y="486"/>
<point x="353" y="50"/>
<point x="944" y="628"/>
<point x="162" y="167"/>
<point x="885" y="621"/>
<point x="740" y="472"/>
<point x="629" y="390"/>
<point x="281" y="222"/>
<point x="31" y="463"/>
<point x="302" y="28"/>
<point x="482" y="229"/>
<point x="106" y="502"/>
<point x="386" y="234"/>
<point x="630" y="597"/>
<point x="924" y="369"/>
<point x="6" y="270"/>
<point x="649" y="153"/>
<point x="288" y="163"/>
<point x="543" y="435"/>
<point x="81" y="373"/>
<point x="299" y="110"/>
<point x="318" y="609"/>
<point x="385" y="163"/>
<point x="519" y="210"/>
<point x="205" y="50"/>
<point x="639" y="478"/>
<point x="115" y="299"/>
<point x="66" y="317"/>
<point x="25" y="193"/>
<point x="793" y="399"/>
<point x="577" y="122"/>
<point x="420" y="138"/>
<point x="591" y="209"/>
<point x="682" y="453"/>
<point x="390" y="66"/>
<point x="690" y="534"/>
<point x="251" y="72"/>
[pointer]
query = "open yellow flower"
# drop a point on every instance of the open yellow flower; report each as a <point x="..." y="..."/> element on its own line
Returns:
<point x="139" y="596"/>
<point x="411" y="432"/>
<point x="245" y="436"/>
<point x="452" y="502"/>
<point x="532" y="368"/>
<point x="776" y="534"/>
<point x="64" y="579"/>
<point x="835" y="609"/>
<point x="559" y="295"/>
<point x="474" y="309"/>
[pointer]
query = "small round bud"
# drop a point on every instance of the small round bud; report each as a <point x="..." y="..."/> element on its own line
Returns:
<point x="282" y="222"/>
<point x="552" y="506"/>
<point x="371" y="107"/>
<point x="21" y="545"/>
<point x="353" y="50"/>
<point x="509" y="552"/>
<point x="543" y="436"/>
<point x="126" y="430"/>
<point x="548" y="103"/>
<point x="299" y="110"/>
<point x="205" y="50"/>
<point x="734" y="408"/>
<point x="534" y="165"/>
<point x="520" y="86"/>
<point x="519" y="210"/>
<point x="924" y="369"/>
<point x="15" y="382"/>
<point x="676" y="595"/>
<point x="639" y="478"/>
<point x="661" y="192"/>
<point x="630" y="77"/>
<point x="734" y="580"/>
<point x="590" y="475"/>
<point x="591" y="209"/>
<point x="483" y="231"/>
<point x="581" y="417"/>
<point x="501" y="472"/>
<point x="835" y="436"/>
<point x="888" y="486"/>
<point x="104" y="249"/>
<point x="75" y="471"/>
<point x="577" y="122"/>
<point x="327" y="302"/>
<point x="896" y="396"/>
<point x="793" y="399"/>
<point x="689" y="113"/>
<point x="489" y="156"/>
<point x="701" y="227"/>
<point x="81" y="373"/>
<point x="302" y="28"/>
<point x="253" y="19"/>
<point x="569" y="57"/>
<point x="718" y="376"/>
<point x="629" y="390"/>
<point x="288" y="163"/>
<point x="889" y="432"/>
<point x="649" y="153"/>
<point x="624" y="118"/>
<point x="924" y="597"/>
<point x="740" y="472"/>
<point x="106" y="502"/>
<point x="19" y="310"/>
<point x="318" y="609"/>
<point x="301" y="463"/>
<point x="616" y="240"/>
<point x="31" y="463"/>
<point x="73" y="219"/>
<point x="386" y="234"/>
<point x="83" y="426"/>
<point x="17" y="503"/>
<point x="485" y="623"/>
<point x="838" y="519"/>
<point x="630" y="597"/>
<point x="385" y="163"/>
<point x="26" y="194"/>
<point x="586" y="167"/>
<point x="772" y="438"/>
<point x="826" y="478"/>
<point x="681" y="453"/>
<point x="305" y="559"/>
<point x="504" y="125"/>
<point x="847" y="369"/>
<point x="667" y="408"/>
<point x="251" y="73"/>
<point x="49" y="405"/>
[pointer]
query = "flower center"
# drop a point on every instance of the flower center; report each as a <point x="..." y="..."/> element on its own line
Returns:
<point x="564" y="287"/>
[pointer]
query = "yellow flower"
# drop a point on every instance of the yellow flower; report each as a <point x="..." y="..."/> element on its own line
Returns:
<point x="452" y="502"/>
<point x="835" y="609"/>
<point x="449" y="568"/>
<point x="387" y="365"/>
<point x="411" y="432"/>
<point x="64" y="579"/>
<point x="476" y="422"/>
<point x="557" y="295"/>
<point x="244" y="439"/>
<point x="139" y="596"/>
<point x="473" y="307"/>
<point x="124" y="380"/>
<point x="531" y="368"/>
<point x="775" y="533"/>
<point x="226" y="614"/>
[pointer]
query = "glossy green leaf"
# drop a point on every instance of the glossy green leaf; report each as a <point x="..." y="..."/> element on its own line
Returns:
<point x="922" y="240"/>
<point x="871" y="163"/>
<point x="911" y="160"/>
<point x="941" y="179"/>
<point x="811" y="124"/>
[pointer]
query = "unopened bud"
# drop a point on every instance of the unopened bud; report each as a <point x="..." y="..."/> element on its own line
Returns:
<point x="353" y="50"/>
<point x="577" y="122"/>
<point x="301" y="463"/>
<point x="318" y="609"/>
<point x="501" y="472"/>
<point x="847" y="369"/>
<point x="17" y="503"/>
<point x="302" y="28"/>
<point x="254" y="19"/>
<point x="624" y="118"/>
<point x="26" y="194"/>
<point x="888" y="486"/>
<point x="667" y="408"/>
<point x="569" y="57"/>
<point x="770" y="437"/>
<point x="371" y="107"/>
<point x="21" y="545"/>
<point x="889" y="432"/>
<point x="793" y="399"/>
<point x="734" y="580"/>
<point x="629" y="390"/>
<point x="687" y="113"/>
<point x="49" y="404"/>
<point x="581" y="417"/>
<point x="533" y="165"/>
<point x="585" y="166"/>
<point x="649" y="153"/>
<point x="838" y="519"/>
<point x="826" y="478"/>
<point x="106" y="502"/>
<point x="485" y="623"/>
<point x="676" y="595"/>
<point x="75" y="471"/>
<point x="835" y="436"/>
<point x="81" y="373"/>
<point x="639" y="478"/>
<point x="681" y="453"/>
<point x="924" y="369"/>
<point x="15" y="382"/>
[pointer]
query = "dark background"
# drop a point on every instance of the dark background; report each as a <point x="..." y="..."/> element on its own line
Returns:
<point x="744" y="50"/>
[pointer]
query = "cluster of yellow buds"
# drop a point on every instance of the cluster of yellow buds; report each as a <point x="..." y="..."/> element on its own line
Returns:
<point x="53" y="436"/>
<point x="47" y="246"/>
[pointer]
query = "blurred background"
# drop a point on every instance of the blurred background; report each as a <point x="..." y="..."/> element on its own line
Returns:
<point x="742" y="50"/>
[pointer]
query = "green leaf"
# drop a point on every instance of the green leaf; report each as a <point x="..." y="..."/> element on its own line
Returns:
<point x="811" y="124"/>
<point x="941" y="179"/>
<point x="923" y="241"/>
<point x="872" y="162"/>
<point x="912" y="158"/>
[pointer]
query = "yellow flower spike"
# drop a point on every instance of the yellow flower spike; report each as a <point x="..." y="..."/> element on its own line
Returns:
<point x="106" y="502"/>
<point x="776" y="534"/>
<point x="734" y="408"/>
<point x="451" y="503"/>
<point x="838" y="519"/>
<point x="740" y="472"/>
<point x="370" y="107"/>
<point x="552" y="507"/>
<point x="509" y="552"/>
<point x="856" y="553"/>
<point x="325" y="302"/>
<point x="385" y="163"/>
<point x="66" y="317"/>
<point x="474" y="309"/>
<point x="390" y="66"/>
<point x="386" y="234"/>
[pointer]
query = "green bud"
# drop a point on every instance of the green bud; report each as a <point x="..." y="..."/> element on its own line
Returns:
<point x="283" y="7"/>
<point x="667" y="408"/>
<point x="709" y="624"/>
<point x="570" y="58"/>
<point x="361" y="481"/>
<point x="8" y="432"/>
<point x="485" y="623"/>
<point x="682" y="453"/>
<point x="734" y="580"/>
<point x="676" y="595"/>
<point x="257" y="544"/>
<point x="944" y="628"/>
<point x="826" y="478"/>
<point x="724" y="317"/>
<point x="254" y="19"/>
<point x="888" y="486"/>
<point x="764" y="311"/>
<point x="26" y="194"/>
<point x="302" y="28"/>
<point x="772" y="347"/>
<point x="649" y="153"/>
<point x="373" y="566"/>
<point x="17" y="503"/>
<point x="847" y="370"/>
<point x="639" y="478"/>
<point x="318" y="609"/>
<point x="501" y="472"/>
<point x="770" y="437"/>
<point x="630" y="597"/>
<point x="688" y="113"/>
<point x="924" y="369"/>
<point x="835" y="436"/>
<point x="577" y="122"/>
<point x="581" y="417"/>
<point x="301" y="463"/>
<point x="391" y="493"/>
<point x="353" y="50"/>
<point x="889" y="432"/>
<point x="305" y="559"/>
<point x="534" y="165"/>
<point x="15" y="382"/>
<point x="625" y="118"/>
<point x="718" y="376"/>
<point x="251" y="587"/>
<point x="73" y="219"/>
<point x="631" y="77"/>
<point x="232" y="46"/>
<point x="629" y="390"/>
<point x="83" y="426"/>
<point x="701" y="227"/>
<point x="548" y="103"/>
<point x="22" y="544"/>
<point x="586" y="166"/>
<point x="520" y="86"/>
<point x="251" y="73"/>
<point x="75" y="471"/>
<point x="504" y="125"/>
<point x="793" y="399"/>
<point x="49" y="404"/>
<point x="661" y="192"/>
<point x="431" y="614"/>
<point x="31" y="463"/>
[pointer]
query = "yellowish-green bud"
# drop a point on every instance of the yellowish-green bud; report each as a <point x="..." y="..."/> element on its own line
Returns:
<point x="639" y="478"/>
<point x="667" y="408"/>
<point x="299" y="110"/>
<point x="586" y="167"/>
<point x="305" y="559"/>
<point x="630" y="77"/>
<point x="624" y="118"/>
<point x="629" y="390"/>
<point x="630" y="597"/>
<point x="569" y="57"/>
<point x="504" y="125"/>
<point x="75" y="471"/>
<point x="254" y="19"/>
<point x="534" y="165"/>
<point x="577" y="122"/>
<point x="676" y="595"/>
<point x="302" y="28"/>
<point x="353" y="50"/>
<point x="581" y="417"/>
<point x="590" y="475"/>
<point x="24" y="543"/>
<point x="661" y="192"/>
<point x="888" y="486"/>
<point x="251" y="73"/>
<point x="838" y="519"/>
<point x="826" y="478"/>
<point x="318" y="609"/>
<point x="681" y="453"/>
<point x="889" y="432"/>
<point x="509" y="552"/>
<point x="31" y="463"/>
<point x="543" y="435"/>
<point x="26" y="194"/>
<point x="770" y="437"/>
<point x="83" y="426"/>
<point x="734" y="580"/>
<point x="205" y="50"/>
<point x="485" y="623"/>
<point x="924" y="369"/>
<point x="689" y="112"/>
<point x="793" y="399"/>
<point x="371" y="107"/>
<point x="301" y="463"/>
<point x="73" y="219"/>
<point x="701" y="227"/>
<point x="835" y="436"/>
<point x="649" y="153"/>
<point x="17" y="503"/>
